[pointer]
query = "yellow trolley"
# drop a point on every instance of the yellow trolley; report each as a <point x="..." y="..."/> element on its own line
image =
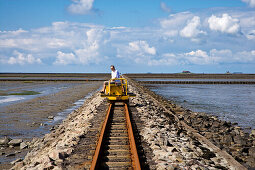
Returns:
<point x="116" y="90"/>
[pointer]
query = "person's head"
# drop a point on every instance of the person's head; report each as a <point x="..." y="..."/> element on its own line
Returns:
<point x="112" y="68"/>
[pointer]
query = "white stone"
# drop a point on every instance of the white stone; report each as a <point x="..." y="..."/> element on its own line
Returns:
<point x="15" y="142"/>
<point x="23" y="145"/>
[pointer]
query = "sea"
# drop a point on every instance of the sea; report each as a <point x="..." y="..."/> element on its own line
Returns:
<point x="230" y="102"/>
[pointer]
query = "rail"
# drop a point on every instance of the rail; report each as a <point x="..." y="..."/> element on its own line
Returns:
<point x="109" y="150"/>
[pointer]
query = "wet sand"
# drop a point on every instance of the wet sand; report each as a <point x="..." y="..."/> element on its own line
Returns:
<point x="30" y="118"/>
<point x="30" y="114"/>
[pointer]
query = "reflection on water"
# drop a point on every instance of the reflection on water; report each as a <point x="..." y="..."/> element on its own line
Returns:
<point x="235" y="103"/>
<point x="8" y="99"/>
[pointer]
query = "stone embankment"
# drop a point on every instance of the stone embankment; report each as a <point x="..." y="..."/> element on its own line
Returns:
<point x="167" y="142"/>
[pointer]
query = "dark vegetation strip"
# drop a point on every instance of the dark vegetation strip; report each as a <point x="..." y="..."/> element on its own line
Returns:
<point x="193" y="76"/>
<point x="25" y="93"/>
<point x="54" y="75"/>
<point x="197" y="82"/>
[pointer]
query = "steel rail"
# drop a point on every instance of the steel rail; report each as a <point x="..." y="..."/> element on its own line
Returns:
<point x="134" y="155"/>
<point x="94" y="163"/>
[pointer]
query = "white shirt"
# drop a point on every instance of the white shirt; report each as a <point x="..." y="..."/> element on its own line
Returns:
<point x="115" y="74"/>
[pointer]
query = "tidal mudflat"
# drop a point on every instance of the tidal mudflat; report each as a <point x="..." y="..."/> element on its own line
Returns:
<point x="31" y="109"/>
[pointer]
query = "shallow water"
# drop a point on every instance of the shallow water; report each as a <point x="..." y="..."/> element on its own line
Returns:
<point x="172" y="79"/>
<point x="42" y="88"/>
<point x="235" y="103"/>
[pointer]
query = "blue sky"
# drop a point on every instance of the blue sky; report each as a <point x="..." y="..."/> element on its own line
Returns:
<point x="137" y="36"/>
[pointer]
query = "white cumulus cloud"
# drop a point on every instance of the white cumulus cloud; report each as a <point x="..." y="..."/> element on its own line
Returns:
<point x="192" y="28"/>
<point x="142" y="46"/>
<point x="138" y="51"/>
<point x="251" y="3"/>
<point x="199" y="57"/>
<point x="81" y="6"/>
<point x="22" y="59"/>
<point x="225" y="24"/>
<point x="88" y="52"/>
<point x="170" y="26"/>
<point x="65" y="58"/>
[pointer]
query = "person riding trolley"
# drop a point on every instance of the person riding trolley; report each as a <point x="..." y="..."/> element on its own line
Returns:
<point x="114" y="74"/>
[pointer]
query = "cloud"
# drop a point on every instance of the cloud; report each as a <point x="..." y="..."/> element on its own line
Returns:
<point x="191" y="29"/>
<point x="23" y="59"/>
<point x="201" y="57"/>
<point x="245" y="57"/>
<point x="198" y="57"/>
<point x="81" y="6"/>
<point x="170" y="26"/>
<point x="65" y="58"/>
<point x="225" y="24"/>
<point x="166" y="59"/>
<point x="142" y="46"/>
<point x="164" y="7"/>
<point x="251" y="3"/>
<point x="161" y="43"/>
<point x="14" y="33"/>
<point x="88" y="52"/>
<point x="138" y="51"/>
<point x="60" y="40"/>
<point x="251" y="35"/>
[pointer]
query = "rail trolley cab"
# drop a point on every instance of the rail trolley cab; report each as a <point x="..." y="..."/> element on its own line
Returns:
<point x="116" y="90"/>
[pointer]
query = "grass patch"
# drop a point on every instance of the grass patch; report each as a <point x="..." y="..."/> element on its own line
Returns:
<point x="27" y="81"/>
<point x="25" y="93"/>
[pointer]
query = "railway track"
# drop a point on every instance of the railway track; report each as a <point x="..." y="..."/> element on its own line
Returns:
<point x="116" y="148"/>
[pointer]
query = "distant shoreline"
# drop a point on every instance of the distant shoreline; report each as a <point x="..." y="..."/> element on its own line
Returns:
<point x="88" y="76"/>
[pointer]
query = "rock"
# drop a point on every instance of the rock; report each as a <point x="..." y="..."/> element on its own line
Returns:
<point x="52" y="128"/>
<point x="253" y="133"/>
<point x="239" y="140"/>
<point x="23" y="145"/>
<point x="5" y="140"/>
<point x="17" y="152"/>
<point x="227" y="139"/>
<point x="10" y="154"/>
<point x="17" y="160"/>
<point x="2" y="153"/>
<point x="252" y="152"/>
<point x="167" y="143"/>
<point x="171" y="149"/>
<point x="250" y="162"/>
<point x="177" y="157"/>
<point x="207" y="154"/>
<point x="56" y="155"/>
<point x="15" y="142"/>
<point x="18" y="165"/>
<point x="170" y="167"/>
<point x="50" y="117"/>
